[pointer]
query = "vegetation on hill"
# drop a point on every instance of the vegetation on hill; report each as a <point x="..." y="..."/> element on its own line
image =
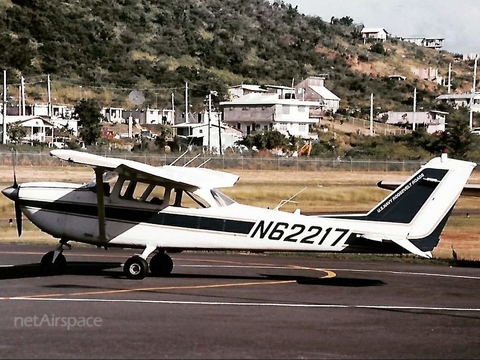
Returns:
<point x="105" y="49"/>
<point x="102" y="50"/>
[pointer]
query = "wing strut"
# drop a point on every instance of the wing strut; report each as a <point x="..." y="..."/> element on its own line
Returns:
<point x="100" y="203"/>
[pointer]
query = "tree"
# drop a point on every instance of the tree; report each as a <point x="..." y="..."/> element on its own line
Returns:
<point x="269" y="140"/>
<point x="16" y="132"/>
<point x="457" y="137"/>
<point x="378" y="48"/>
<point x="88" y="113"/>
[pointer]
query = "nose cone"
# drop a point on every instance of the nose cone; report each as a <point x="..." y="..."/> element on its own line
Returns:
<point x="11" y="193"/>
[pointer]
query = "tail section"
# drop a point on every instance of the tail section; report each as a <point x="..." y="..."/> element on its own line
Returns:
<point x="421" y="205"/>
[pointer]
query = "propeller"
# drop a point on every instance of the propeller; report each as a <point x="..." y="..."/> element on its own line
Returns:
<point x="12" y="193"/>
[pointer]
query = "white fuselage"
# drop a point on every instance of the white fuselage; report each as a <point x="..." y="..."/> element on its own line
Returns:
<point x="69" y="211"/>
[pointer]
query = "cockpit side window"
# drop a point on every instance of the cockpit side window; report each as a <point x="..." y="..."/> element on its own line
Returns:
<point x="188" y="199"/>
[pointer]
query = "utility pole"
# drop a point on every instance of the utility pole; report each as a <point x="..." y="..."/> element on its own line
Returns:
<point x="173" y="109"/>
<point x="472" y="95"/>
<point x="186" y="102"/>
<point x="371" y="114"/>
<point x="449" y="77"/>
<point x="209" y="119"/>
<point x="414" y="108"/>
<point x="23" y="95"/>
<point x="4" y="109"/>
<point x="49" y="96"/>
<point x="475" y="76"/>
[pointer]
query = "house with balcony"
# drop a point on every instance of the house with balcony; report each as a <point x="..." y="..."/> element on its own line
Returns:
<point x="258" y="112"/>
<point x="37" y="128"/>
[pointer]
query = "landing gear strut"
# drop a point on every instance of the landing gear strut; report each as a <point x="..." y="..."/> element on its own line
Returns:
<point x="54" y="262"/>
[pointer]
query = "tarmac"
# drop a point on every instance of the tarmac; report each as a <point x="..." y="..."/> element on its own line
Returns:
<point x="236" y="305"/>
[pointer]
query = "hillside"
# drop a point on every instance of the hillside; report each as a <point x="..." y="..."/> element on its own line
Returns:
<point x="105" y="49"/>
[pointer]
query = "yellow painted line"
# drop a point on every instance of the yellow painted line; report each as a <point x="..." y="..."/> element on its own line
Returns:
<point x="65" y="252"/>
<point x="330" y="274"/>
<point x="104" y="292"/>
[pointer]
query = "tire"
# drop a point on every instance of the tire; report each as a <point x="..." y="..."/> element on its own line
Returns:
<point x="161" y="265"/>
<point x="56" y="268"/>
<point x="136" y="268"/>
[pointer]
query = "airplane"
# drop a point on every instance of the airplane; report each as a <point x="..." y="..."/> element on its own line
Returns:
<point x="162" y="210"/>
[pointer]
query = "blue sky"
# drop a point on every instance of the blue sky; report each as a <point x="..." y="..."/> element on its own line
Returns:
<point x="458" y="21"/>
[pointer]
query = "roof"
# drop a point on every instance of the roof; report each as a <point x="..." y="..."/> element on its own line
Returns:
<point x="198" y="125"/>
<point x="194" y="177"/>
<point x="267" y="99"/>
<point x="373" y="30"/>
<point x="45" y="121"/>
<point x="458" y="96"/>
<point x="257" y="88"/>
<point x="279" y="87"/>
<point x="324" y="93"/>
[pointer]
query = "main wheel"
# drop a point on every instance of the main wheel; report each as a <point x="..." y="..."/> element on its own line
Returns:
<point x="56" y="268"/>
<point x="161" y="265"/>
<point x="136" y="268"/>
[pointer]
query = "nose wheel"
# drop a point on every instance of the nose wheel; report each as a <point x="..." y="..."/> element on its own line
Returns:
<point x="53" y="265"/>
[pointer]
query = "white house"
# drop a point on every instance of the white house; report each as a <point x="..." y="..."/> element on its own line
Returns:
<point x="37" y="128"/>
<point x="213" y="134"/>
<point x="237" y="91"/>
<point x="433" y="120"/>
<point x="112" y="114"/>
<point x="374" y="33"/>
<point x="148" y="116"/>
<point x="428" y="42"/>
<point x="313" y="89"/>
<point x="258" y="112"/>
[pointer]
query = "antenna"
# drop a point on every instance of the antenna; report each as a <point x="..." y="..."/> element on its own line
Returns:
<point x="192" y="159"/>
<point x="203" y="163"/>
<point x="136" y="97"/>
<point x="283" y="202"/>
<point x="178" y="158"/>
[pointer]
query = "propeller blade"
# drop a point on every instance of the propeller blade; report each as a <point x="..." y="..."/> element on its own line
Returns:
<point x="14" y="160"/>
<point x="18" y="217"/>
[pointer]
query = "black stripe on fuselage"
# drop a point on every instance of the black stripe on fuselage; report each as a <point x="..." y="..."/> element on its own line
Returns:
<point x="145" y="216"/>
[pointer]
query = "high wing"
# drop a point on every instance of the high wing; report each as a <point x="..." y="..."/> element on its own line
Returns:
<point x="187" y="176"/>
<point x="468" y="190"/>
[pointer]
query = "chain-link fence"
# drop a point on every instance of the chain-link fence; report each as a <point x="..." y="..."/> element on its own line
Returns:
<point x="225" y="162"/>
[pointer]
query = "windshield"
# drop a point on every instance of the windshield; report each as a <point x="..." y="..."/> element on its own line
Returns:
<point x="221" y="199"/>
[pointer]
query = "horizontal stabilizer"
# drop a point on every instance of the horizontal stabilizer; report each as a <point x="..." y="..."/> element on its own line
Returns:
<point x="407" y="245"/>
